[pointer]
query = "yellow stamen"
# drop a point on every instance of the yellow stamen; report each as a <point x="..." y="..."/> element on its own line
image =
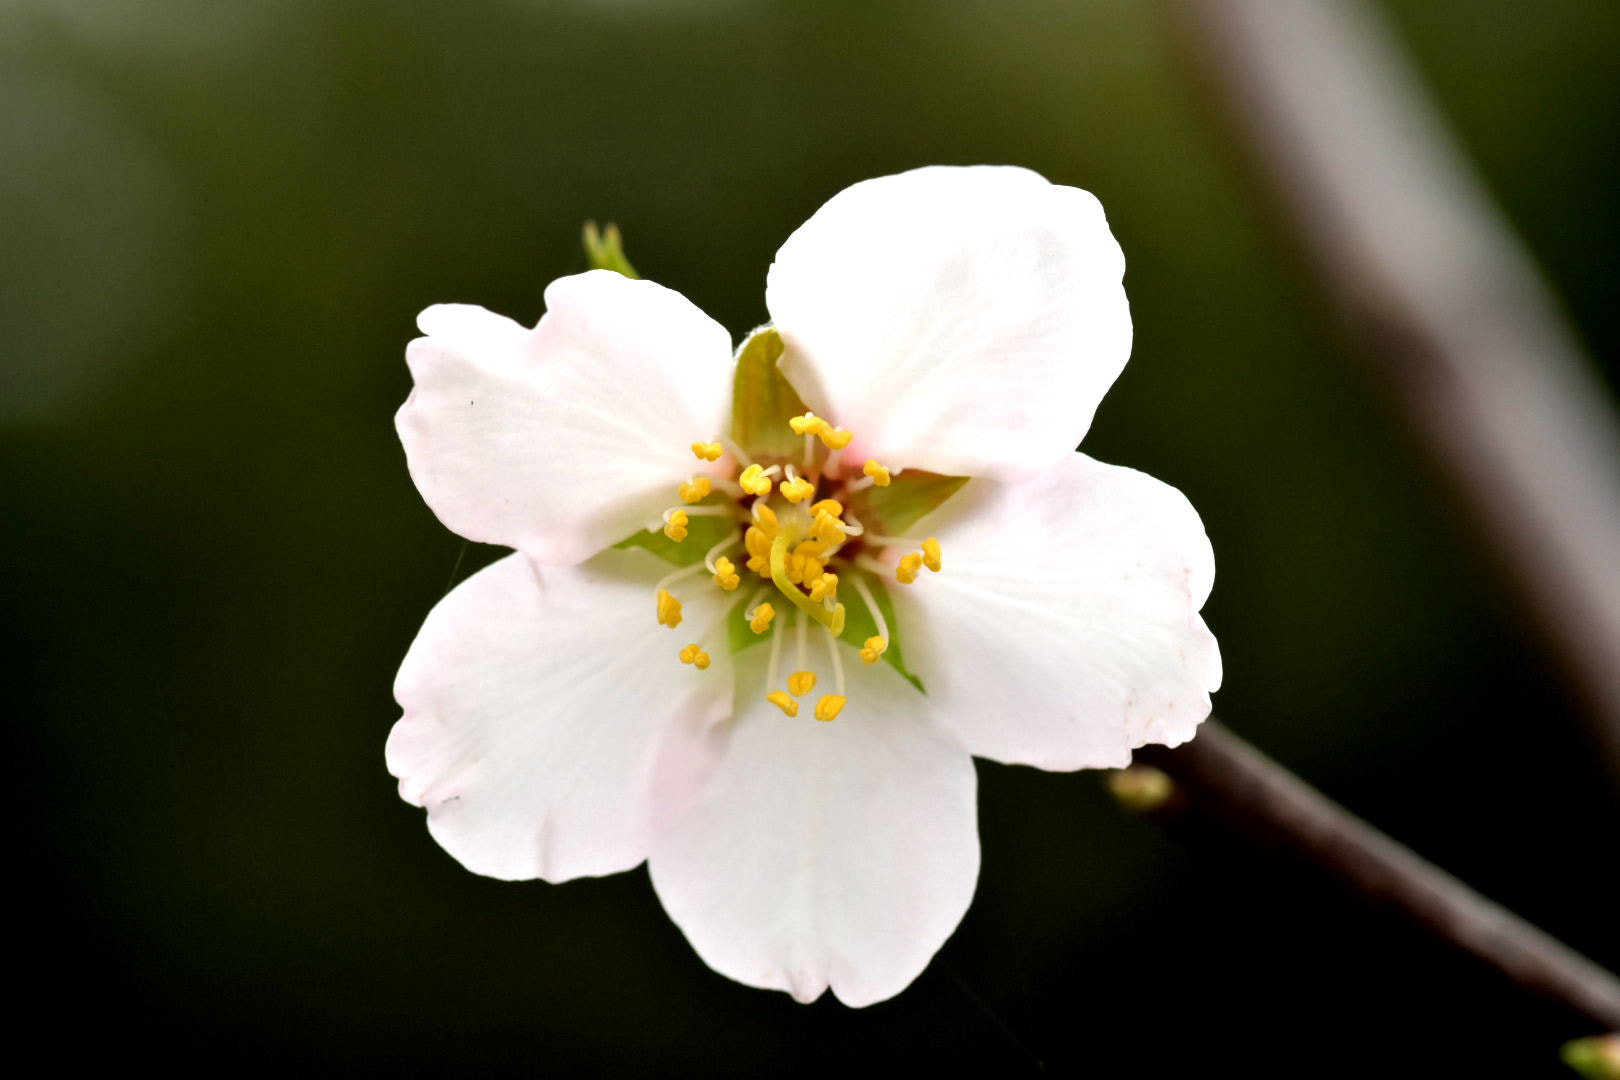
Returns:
<point x="797" y="489"/>
<point x="834" y="439"/>
<point x="808" y="424"/>
<point x="759" y="620"/>
<point x="725" y="574"/>
<point x="824" y="586"/>
<point x="801" y="683"/>
<point x="675" y="525"/>
<point x="693" y="654"/>
<point x="782" y="701"/>
<point x="766" y="517"/>
<point x="814" y="548"/>
<point x="827" y="528"/>
<point x="827" y="506"/>
<point x="696" y="489"/>
<point x="906" y="572"/>
<point x="830" y="706"/>
<point x="878" y="473"/>
<point x="708" y="451"/>
<point x="930" y="554"/>
<point x="833" y="620"/>
<point x="669" y="609"/>
<point x="754" y="481"/>
<point x="804" y="569"/>
<point x="874" y="649"/>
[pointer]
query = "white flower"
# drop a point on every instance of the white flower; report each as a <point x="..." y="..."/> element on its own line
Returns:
<point x="561" y="722"/>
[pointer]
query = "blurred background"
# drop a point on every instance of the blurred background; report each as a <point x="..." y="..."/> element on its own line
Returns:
<point x="218" y="220"/>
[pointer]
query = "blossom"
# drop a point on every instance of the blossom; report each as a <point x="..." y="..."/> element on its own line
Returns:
<point x="766" y="604"/>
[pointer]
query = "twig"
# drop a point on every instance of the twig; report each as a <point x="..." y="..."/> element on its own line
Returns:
<point x="1232" y="779"/>
<point x="1458" y="322"/>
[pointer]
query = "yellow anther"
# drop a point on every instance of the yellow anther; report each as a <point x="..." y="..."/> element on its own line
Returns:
<point x="808" y="424"/>
<point x="801" y="683"/>
<point x="906" y="572"/>
<point x="830" y="706"/>
<point x="693" y="654"/>
<point x="708" y="451"/>
<point x="756" y="541"/>
<point x="833" y="620"/>
<point x="797" y="490"/>
<point x="725" y="574"/>
<point x="878" y="473"/>
<point x="827" y="506"/>
<point x="930" y="554"/>
<point x="807" y="568"/>
<point x="675" y="525"/>
<point x="874" y="649"/>
<point x="782" y="701"/>
<point x="835" y="439"/>
<point x="669" y="609"/>
<point x="828" y="528"/>
<point x="759" y="620"/>
<point x="824" y="586"/>
<point x="816" y="548"/>
<point x="696" y="489"/>
<point x="754" y="481"/>
<point x="766" y="519"/>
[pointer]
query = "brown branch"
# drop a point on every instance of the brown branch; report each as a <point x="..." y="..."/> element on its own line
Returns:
<point x="1231" y="779"/>
<point x="1458" y="323"/>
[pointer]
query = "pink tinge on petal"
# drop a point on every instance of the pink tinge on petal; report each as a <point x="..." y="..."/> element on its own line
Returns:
<point x="961" y="320"/>
<point x="546" y="715"/>
<point x="1064" y="631"/>
<point x="565" y="439"/>
<point x="822" y="855"/>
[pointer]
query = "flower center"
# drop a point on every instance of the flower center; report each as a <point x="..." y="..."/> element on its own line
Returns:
<point x="795" y="547"/>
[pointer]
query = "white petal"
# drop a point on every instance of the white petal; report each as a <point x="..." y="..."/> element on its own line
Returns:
<point x="564" y="439"/>
<point x="964" y="320"/>
<point x="837" y="854"/>
<point x="548" y="721"/>
<point x="1063" y="630"/>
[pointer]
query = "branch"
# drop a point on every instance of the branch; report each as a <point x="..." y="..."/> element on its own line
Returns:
<point x="1232" y="779"/>
<point x="1457" y="321"/>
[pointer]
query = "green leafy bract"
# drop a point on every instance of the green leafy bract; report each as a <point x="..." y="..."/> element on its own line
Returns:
<point x="763" y="401"/>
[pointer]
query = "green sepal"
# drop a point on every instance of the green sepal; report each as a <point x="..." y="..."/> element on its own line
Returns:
<point x="859" y="624"/>
<point x="604" y="250"/>
<point x="910" y="497"/>
<point x="702" y="533"/>
<point x="738" y="635"/>
<point x="763" y="401"/>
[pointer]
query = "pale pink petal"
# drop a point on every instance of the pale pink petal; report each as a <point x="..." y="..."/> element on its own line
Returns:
<point x="549" y="724"/>
<point x="1063" y="630"/>
<point x="837" y="854"/>
<point x="564" y="439"/>
<point x="963" y="320"/>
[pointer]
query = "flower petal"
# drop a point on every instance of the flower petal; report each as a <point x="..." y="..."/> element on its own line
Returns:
<point x="962" y="320"/>
<point x="837" y="854"/>
<point x="1063" y="630"/>
<point x="564" y="439"/>
<point x="548" y="722"/>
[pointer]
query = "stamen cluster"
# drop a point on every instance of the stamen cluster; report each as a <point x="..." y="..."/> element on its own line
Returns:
<point x="803" y="547"/>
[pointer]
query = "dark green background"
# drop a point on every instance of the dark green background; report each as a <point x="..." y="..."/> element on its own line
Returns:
<point x="217" y="222"/>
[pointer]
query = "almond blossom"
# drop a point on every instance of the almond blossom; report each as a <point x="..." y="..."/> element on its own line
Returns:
<point x="766" y="604"/>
